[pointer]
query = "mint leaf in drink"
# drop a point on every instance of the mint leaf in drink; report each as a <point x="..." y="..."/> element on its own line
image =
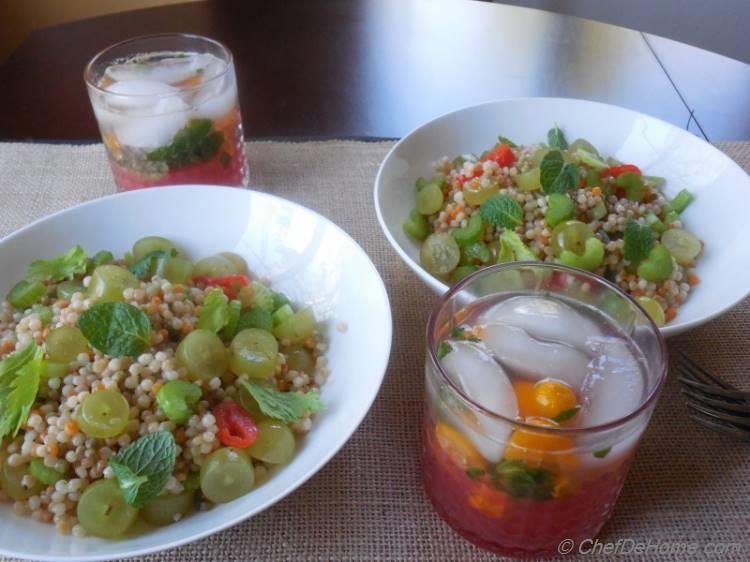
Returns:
<point x="143" y="468"/>
<point x="502" y="211"/>
<point x="20" y="374"/>
<point x="556" y="138"/>
<point x="639" y="240"/>
<point x="116" y="329"/>
<point x="443" y="349"/>
<point x="66" y="266"/>
<point x="600" y="454"/>
<point x="197" y="141"/>
<point x="284" y="406"/>
<point x="558" y="176"/>
<point x="522" y="481"/>
<point x="566" y="414"/>
<point x="473" y="472"/>
<point x="147" y="264"/>
<point x="215" y="312"/>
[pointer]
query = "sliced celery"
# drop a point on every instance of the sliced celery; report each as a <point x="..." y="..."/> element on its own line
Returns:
<point x="682" y="200"/>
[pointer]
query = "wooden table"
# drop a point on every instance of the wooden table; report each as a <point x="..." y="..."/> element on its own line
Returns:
<point x="379" y="68"/>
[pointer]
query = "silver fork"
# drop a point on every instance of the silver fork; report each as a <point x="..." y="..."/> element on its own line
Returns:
<point x="713" y="402"/>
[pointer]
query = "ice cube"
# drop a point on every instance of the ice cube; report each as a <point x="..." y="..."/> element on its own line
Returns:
<point x="142" y="113"/>
<point x="485" y="382"/>
<point x="543" y="318"/>
<point x="614" y="386"/>
<point x="167" y="69"/>
<point x="521" y="353"/>
<point x="216" y="99"/>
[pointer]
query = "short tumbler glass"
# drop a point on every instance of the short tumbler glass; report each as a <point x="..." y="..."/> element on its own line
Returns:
<point x="549" y="481"/>
<point x="168" y="111"/>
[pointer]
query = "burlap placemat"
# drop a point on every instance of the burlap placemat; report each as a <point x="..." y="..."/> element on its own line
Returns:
<point x="688" y="488"/>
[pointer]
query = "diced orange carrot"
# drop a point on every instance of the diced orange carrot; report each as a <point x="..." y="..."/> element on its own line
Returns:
<point x="8" y="346"/>
<point x="670" y="314"/>
<point x="156" y="300"/>
<point x="53" y="449"/>
<point x="187" y="327"/>
<point x="693" y="279"/>
<point x="71" y="428"/>
<point x="156" y="388"/>
<point x="596" y="191"/>
<point x="100" y="386"/>
<point x="178" y="289"/>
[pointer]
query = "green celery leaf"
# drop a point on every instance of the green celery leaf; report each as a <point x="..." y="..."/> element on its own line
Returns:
<point x="66" y="266"/>
<point x="639" y="240"/>
<point x="215" y="312"/>
<point x="143" y="468"/>
<point x="116" y="329"/>
<point x="284" y="406"/>
<point x="502" y="211"/>
<point x="20" y="384"/>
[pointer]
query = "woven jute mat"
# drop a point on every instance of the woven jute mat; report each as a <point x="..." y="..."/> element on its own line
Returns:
<point x="687" y="496"/>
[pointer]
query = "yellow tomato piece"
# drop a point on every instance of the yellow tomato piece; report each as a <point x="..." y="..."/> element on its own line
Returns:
<point x="537" y="447"/>
<point x="487" y="500"/>
<point x="525" y="397"/>
<point x="458" y="447"/>
<point x="553" y="397"/>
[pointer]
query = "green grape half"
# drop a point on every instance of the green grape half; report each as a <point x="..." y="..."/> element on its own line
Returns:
<point x="253" y="352"/>
<point x="103" y="511"/>
<point x="103" y="414"/>
<point x="65" y="343"/>
<point x="203" y="354"/>
<point x="226" y="474"/>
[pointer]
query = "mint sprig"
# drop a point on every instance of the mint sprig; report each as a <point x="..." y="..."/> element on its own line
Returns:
<point x="285" y="406"/>
<point x="197" y="141"/>
<point x="66" y="266"/>
<point x="143" y="468"/>
<point x="522" y="481"/>
<point x="502" y="211"/>
<point x="558" y="176"/>
<point x="116" y="329"/>
<point x="147" y="264"/>
<point x="556" y="138"/>
<point x="639" y="240"/>
<point x="566" y="414"/>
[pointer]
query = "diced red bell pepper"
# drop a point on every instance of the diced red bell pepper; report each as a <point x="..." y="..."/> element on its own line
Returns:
<point x="502" y="154"/>
<point x="230" y="284"/>
<point x="615" y="171"/>
<point x="236" y="427"/>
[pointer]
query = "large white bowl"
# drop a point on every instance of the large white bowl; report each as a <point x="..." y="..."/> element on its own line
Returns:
<point x="719" y="214"/>
<point x="303" y="254"/>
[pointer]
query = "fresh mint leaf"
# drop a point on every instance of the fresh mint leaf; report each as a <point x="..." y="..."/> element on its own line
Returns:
<point x="473" y="472"/>
<point x="215" y="312"/>
<point x="502" y="211"/>
<point x="556" y="138"/>
<point x="461" y="333"/>
<point x="566" y="414"/>
<point x="601" y="453"/>
<point x="147" y="264"/>
<point x="116" y="329"/>
<point x="66" y="266"/>
<point x="558" y="176"/>
<point x="443" y="349"/>
<point x="197" y="141"/>
<point x="143" y="468"/>
<point x="284" y="406"/>
<point x="522" y="481"/>
<point x="20" y="374"/>
<point x="639" y="240"/>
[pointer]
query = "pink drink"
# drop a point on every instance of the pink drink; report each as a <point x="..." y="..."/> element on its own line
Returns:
<point x="540" y="382"/>
<point x="168" y="112"/>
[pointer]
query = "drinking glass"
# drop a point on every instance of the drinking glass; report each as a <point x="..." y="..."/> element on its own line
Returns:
<point x="550" y="482"/>
<point x="168" y="111"/>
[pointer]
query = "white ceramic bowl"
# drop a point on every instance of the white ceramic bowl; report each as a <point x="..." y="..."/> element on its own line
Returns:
<point x="303" y="254"/>
<point x="718" y="216"/>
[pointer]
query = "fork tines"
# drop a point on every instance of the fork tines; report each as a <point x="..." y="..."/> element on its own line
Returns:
<point x="713" y="402"/>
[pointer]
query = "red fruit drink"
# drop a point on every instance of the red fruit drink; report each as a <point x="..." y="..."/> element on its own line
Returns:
<point x="168" y="112"/>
